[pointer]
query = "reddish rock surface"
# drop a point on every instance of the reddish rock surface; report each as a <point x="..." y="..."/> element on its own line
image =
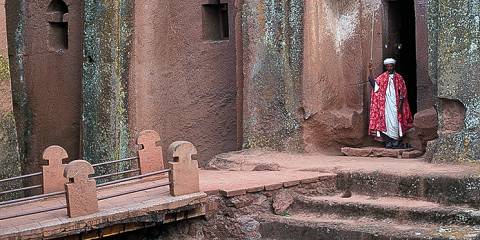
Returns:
<point x="281" y="202"/>
<point x="182" y="85"/>
<point x="335" y="95"/>
<point x="426" y="124"/>
<point x="49" y="85"/>
<point x="246" y="160"/>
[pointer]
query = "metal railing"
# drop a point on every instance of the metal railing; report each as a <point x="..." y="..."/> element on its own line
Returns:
<point x="24" y="199"/>
<point x="149" y="163"/>
<point x="99" y="186"/>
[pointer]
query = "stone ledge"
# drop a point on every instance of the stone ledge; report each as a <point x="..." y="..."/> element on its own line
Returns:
<point x="220" y="182"/>
<point x="381" y="152"/>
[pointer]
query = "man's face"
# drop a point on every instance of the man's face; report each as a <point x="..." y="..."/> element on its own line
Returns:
<point x="390" y="67"/>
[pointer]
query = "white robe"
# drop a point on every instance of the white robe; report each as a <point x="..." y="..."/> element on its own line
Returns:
<point x="394" y="128"/>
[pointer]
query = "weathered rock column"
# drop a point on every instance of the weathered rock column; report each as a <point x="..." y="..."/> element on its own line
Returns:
<point x="9" y="158"/>
<point x="105" y="76"/>
<point x="272" y="69"/>
<point x="45" y="40"/>
<point x="454" y="60"/>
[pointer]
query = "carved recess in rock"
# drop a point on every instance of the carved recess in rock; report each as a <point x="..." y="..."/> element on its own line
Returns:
<point x="53" y="179"/>
<point x="184" y="177"/>
<point x="453" y="115"/>
<point x="57" y="17"/>
<point x="151" y="155"/>
<point x="81" y="192"/>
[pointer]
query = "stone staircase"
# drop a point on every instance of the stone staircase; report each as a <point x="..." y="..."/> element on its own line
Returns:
<point x="383" y="207"/>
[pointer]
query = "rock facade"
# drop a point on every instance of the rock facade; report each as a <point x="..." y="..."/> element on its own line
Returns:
<point x="454" y="56"/>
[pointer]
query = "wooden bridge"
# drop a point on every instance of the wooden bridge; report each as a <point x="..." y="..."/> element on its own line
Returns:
<point x="75" y="202"/>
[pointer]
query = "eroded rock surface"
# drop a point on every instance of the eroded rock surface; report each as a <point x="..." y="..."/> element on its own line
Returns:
<point x="451" y="65"/>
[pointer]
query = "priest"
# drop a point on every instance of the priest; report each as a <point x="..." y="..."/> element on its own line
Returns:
<point x="390" y="115"/>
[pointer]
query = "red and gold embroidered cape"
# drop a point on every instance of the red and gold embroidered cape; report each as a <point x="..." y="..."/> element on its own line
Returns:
<point x="377" y="105"/>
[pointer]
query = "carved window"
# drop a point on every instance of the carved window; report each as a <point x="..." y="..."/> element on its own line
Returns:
<point x="57" y="15"/>
<point x="215" y="21"/>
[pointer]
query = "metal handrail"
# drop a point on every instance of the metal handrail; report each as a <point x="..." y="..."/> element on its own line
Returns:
<point x="40" y="173"/>
<point x="25" y="199"/>
<point x="99" y="199"/>
<point x="115" y="161"/>
<point x="20" y="177"/>
<point x="98" y="186"/>
<point x="133" y="191"/>
<point x="133" y="178"/>
<point x="34" y="212"/>
<point x="20" y="189"/>
<point x="117" y="173"/>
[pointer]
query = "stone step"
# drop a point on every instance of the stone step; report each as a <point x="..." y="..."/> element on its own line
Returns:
<point x="381" y="152"/>
<point x="400" y="209"/>
<point x="439" y="188"/>
<point x="332" y="227"/>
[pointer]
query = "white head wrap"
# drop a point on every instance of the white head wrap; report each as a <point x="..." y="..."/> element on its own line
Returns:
<point x="389" y="61"/>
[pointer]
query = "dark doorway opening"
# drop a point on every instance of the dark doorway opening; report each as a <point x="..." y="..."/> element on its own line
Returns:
<point x="399" y="42"/>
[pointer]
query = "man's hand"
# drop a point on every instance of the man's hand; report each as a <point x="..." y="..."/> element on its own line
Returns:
<point x="370" y="68"/>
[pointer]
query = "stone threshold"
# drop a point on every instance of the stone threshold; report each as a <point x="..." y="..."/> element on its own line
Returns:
<point x="381" y="152"/>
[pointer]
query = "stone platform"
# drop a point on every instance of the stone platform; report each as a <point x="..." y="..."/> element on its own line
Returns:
<point x="381" y="152"/>
<point x="144" y="208"/>
<point x="386" y="176"/>
<point x="389" y="198"/>
<point x="274" y="195"/>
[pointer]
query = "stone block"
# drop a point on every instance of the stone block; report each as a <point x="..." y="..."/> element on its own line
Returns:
<point x="184" y="175"/>
<point x="81" y="192"/>
<point x="412" y="138"/>
<point x="233" y="193"/>
<point x="267" y="167"/>
<point x="373" y="152"/>
<point x="309" y="180"/>
<point x="255" y="189"/>
<point x="412" y="154"/>
<point x="272" y="187"/>
<point x="426" y="124"/>
<point x="150" y="155"/>
<point x="281" y="202"/>
<point x="53" y="179"/>
<point x="291" y="183"/>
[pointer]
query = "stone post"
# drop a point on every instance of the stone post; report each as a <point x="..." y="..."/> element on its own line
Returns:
<point x="53" y="179"/>
<point x="81" y="191"/>
<point x="150" y="155"/>
<point x="184" y="177"/>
